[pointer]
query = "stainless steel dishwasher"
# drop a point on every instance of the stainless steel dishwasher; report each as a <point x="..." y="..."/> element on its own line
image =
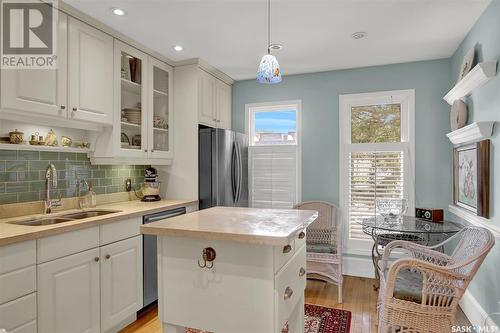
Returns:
<point x="149" y="255"/>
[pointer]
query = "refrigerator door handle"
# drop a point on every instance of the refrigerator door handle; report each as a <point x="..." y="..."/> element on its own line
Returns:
<point x="240" y="172"/>
<point x="234" y="166"/>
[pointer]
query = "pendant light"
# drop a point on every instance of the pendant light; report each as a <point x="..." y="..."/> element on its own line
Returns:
<point x="269" y="70"/>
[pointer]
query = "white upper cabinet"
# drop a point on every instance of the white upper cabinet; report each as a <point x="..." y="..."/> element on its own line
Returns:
<point x="214" y="100"/>
<point x="90" y="73"/>
<point x="224" y="101"/>
<point x="38" y="91"/>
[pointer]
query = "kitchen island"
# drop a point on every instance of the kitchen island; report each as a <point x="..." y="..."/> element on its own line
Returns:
<point x="231" y="270"/>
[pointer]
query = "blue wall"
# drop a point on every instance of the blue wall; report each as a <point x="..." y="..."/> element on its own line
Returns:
<point x="484" y="104"/>
<point x="319" y="93"/>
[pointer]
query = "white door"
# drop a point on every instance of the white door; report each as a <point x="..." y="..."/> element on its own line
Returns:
<point x="223" y="105"/>
<point x="90" y="73"/>
<point x="160" y="115"/>
<point x="68" y="294"/>
<point x="121" y="281"/>
<point x="39" y="91"/>
<point x="206" y="108"/>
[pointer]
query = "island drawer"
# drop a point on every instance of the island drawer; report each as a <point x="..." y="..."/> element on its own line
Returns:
<point x="120" y="230"/>
<point x="282" y="254"/>
<point x="16" y="256"/>
<point x="289" y="286"/>
<point x="19" y="315"/>
<point x="17" y="283"/>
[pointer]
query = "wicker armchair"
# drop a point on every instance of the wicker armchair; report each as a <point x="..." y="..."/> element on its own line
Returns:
<point x="420" y="293"/>
<point x="323" y="244"/>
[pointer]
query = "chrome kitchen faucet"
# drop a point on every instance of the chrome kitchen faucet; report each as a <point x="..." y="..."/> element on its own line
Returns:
<point x="51" y="182"/>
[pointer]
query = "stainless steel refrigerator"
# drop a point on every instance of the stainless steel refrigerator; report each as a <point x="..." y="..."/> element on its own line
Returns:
<point x="222" y="168"/>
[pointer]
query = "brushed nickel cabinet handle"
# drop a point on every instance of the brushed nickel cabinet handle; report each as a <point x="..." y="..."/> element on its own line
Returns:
<point x="288" y="293"/>
<point x="63" y="107"/>
<point x="302" y="235"/>
<point x="108" y="256"/>
<point x="287" y="248"/>
<point x="302" y="271"/>
<point x="75" y="109"/>
<point x="96" y="259"/>
<point x="145" y="150"/>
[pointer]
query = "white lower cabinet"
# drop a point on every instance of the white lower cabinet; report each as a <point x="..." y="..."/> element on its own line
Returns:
<point x="68" y="294"/>
<point x="121" y="281"/>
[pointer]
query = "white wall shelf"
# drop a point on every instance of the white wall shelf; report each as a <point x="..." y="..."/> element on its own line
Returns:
<point x="472" y="133"/>
<point x="478" y="76"/>
<point x="8" y="146"/>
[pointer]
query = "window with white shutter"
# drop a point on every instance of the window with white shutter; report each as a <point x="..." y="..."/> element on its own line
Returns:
<point x="376" y="149"/>
<point x="273" y="154"/>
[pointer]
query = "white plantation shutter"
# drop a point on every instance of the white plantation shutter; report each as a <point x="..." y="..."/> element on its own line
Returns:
<point x="372" y="175"/>
<point x="272" y="176"/>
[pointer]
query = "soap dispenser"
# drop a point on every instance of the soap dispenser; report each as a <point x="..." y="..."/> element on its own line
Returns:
<point x="91" y="196"/>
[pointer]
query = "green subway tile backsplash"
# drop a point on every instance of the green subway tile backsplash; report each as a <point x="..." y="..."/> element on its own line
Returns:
<point x="22" y="175"/>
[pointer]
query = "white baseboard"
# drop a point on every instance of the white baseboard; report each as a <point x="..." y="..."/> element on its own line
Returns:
<point x="358" y="266"/>
<point x="474" y="311"/>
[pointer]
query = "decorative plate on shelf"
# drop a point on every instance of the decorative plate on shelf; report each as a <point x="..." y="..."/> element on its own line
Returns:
<point x="458" y="115"/>
<point x="466" y="64"/>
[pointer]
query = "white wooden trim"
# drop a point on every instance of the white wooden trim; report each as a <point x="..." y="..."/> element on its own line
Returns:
<point x="407" y="100"/>
<point x="472" y="133"/>
<point x="474" y="311"/>
<point x="475" y="220"/>
<point x="478" y="76"/>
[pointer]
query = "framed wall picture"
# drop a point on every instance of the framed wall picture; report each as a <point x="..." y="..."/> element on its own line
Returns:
<point x="471" y="177"/>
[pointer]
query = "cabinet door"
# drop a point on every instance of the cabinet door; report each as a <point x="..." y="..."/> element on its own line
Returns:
<point x="68" y="294"/>
<point x="39" y="91"/>
<point x="161" y="108"/>
<point x="206" y="108"/>
<point x="223" y="105"/>
<point x="121" y="281"/>
<point x="131" y="100"/>
<point x="90" y="73"/>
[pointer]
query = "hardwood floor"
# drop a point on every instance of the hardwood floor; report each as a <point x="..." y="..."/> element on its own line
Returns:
<point x="359" y="298"/>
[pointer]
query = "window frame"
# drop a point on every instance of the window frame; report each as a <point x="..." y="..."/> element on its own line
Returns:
<point x="406" y="98"/>
<point x="251" y="109"/>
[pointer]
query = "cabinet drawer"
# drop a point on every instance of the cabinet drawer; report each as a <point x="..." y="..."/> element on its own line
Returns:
<point x="291" y="278"/>
<point x="17" y="283"/>
<point x="58" y="246"/>
<point x="18" y="313"/>
<point x="282" y="254"/>
<point x="17" y="256"/>
<point x="26" y="328"/>
<point x="117" y="231"/>
<point x="300" y="239"/>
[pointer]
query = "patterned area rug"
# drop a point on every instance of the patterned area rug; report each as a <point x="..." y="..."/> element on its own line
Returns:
<point x="318" y="319"/>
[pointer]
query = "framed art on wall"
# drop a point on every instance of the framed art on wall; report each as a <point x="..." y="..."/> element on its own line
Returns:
<point x="471" y="177"/>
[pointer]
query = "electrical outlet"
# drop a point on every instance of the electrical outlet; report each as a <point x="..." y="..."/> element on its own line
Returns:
<point x="128" y="185"/>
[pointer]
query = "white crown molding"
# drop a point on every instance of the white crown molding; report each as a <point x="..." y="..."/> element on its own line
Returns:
<point x="207" y="68"/>
<point x="475" y="220"/>
<point x="472" y="133"/>
<point x="478" y="76"/>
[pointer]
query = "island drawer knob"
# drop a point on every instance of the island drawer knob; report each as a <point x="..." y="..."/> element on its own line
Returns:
<point x="108" y="256"/>
<point x="288" y="293"/>
<point x="287" y="248"/>
<point x="302" y="271"/>
<point x="96" y="259"/>
<point x="302" y="235"/>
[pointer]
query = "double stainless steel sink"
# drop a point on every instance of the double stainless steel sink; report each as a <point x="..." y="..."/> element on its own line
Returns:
<point x="64" y="217"/>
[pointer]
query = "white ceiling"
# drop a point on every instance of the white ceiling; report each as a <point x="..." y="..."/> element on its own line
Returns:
<point x="231" y="34"/>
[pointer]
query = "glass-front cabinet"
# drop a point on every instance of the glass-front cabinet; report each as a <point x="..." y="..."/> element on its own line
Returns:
<point x="160" y="138"/>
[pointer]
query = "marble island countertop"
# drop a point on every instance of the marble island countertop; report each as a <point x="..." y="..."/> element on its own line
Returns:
<point x="246" y="225"/>
<point x="13" y="233"/>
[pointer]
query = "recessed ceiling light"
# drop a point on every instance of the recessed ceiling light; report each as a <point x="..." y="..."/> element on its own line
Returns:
<point x="178" y="48"/>
<point x="359" y="35"/>
<point x="275" y="47"/>
<point x="118" y="11"/>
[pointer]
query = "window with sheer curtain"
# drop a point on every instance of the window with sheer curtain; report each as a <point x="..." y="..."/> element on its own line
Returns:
<point x="376" y="150"/>
<point x="273" y="154"/>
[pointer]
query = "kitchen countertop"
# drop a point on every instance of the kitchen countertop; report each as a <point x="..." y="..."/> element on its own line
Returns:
<point x="246" y="225"/>
<point x="13" y="233"/>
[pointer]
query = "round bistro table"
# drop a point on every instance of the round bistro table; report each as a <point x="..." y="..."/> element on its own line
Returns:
<point x="407" y="228"/>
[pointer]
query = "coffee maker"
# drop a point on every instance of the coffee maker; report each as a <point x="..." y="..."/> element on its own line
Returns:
<point x="151" y="186"/>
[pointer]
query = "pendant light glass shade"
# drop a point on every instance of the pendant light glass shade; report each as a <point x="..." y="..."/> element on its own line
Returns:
<point x="269" y="70"/>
